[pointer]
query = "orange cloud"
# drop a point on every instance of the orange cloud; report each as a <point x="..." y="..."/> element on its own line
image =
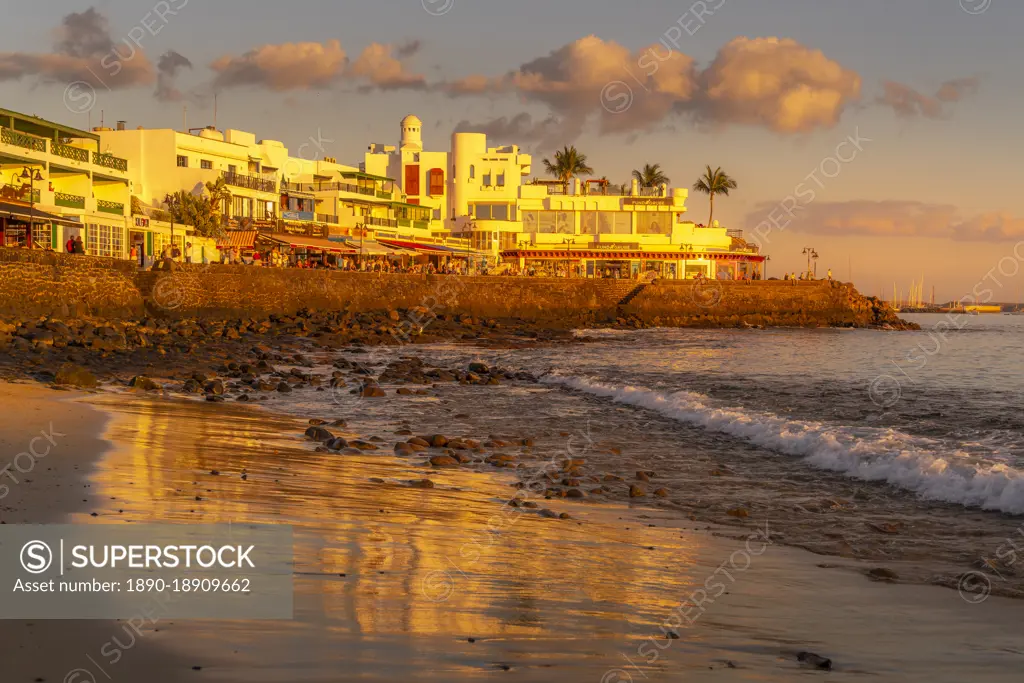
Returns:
<point x="286" y="66"/>
<point x="378" y="65"/>
<point x="897" y="218"/>
<point x="908" y="102"/>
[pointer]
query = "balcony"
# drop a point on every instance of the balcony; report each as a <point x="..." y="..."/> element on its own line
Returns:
<point x="110" y="161"/>
<point x="19" y="193"/>
<point x="379" y="222"/>
<point x="250" y="182"/>
<point x="421" y="225"/>
<point x="383" y="195"/>
<point x="69" y="152"/>
<point x="69" y="201"/>
<point x="327" y="218"/>
<point x="110" y="207"/>
<point x="13" y="137"/>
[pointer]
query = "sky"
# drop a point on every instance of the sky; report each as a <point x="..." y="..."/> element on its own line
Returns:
<point x="883" y="135"/>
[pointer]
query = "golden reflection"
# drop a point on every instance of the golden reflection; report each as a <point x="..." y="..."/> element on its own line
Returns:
<point x="387" y="558"/>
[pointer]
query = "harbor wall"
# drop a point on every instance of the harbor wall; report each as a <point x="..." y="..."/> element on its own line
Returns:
<point x="61" y="285"/>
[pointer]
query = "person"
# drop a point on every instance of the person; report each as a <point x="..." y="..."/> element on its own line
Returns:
<point x="830" y="275"/>
<point x="133" y="253"/>
<point x="176" y="252"/>
<point x="786" y="277"/>
<point x="188" y="252"/>
<point x="79" y="246"/>
<point x="70" y="245"/>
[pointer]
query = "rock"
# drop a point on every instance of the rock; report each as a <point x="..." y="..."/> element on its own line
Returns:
<point x="479" y="368"/>
<point x="75" y="376"/>
<point x="661" y="493"/>
<point x="816" y="661"/>
<point x="417" y="441"/>
<point x="575" y="493"/>
<point x="636" y="491"/>
<point x="337" y="443"/>
<point x="642" y="476"/>
<point x="284" y="388"/>
<point x="438" y="441"/>
<point x="143" y="383"/>
<point x="404" y="449"/>
<point x="883" y="574"/>
<point x="738" y="512"/>
<point x="372" y="391"/>
<point x="551" y="514"/>
<point x="421" y="484"/>
<point x="316" y="422"/>
<point x="443" y="461"/>
<point x="215" y="387"/>
<point x="319" y="434"/>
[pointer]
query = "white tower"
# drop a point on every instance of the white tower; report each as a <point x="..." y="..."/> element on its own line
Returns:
<point x="412" y="134"/>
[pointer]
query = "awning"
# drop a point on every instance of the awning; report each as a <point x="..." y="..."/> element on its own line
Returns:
<point x="37" y="216"/>
<point x="303" y="242"/>
<point x="366" y="176"/>
<point x="237" y="239"/>
<point x="374" y="248"/>
<point x="619" y="255"/>
<point x="415" y="246"/>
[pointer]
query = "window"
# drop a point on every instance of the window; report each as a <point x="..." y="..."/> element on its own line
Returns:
<point x="254" y="167"/>
<point x="492" y="212"/>
<point x="472" y="172"/>
<point x="501" y="180"/>
<point x="232" y="169"/>
<point x="42" y="235"/>
<point x="104" y="240"/>
<point x="182" y="161"/>
<point x="487" y="179"/>
<point x="206" y="163"/>
<point x="654" y="223"/>
<point x="436" y="179"/>
<point x="614" y="223"/>
<point x="437" y="214"/>
<point x="551" y="222"/>
<point x="412" y="180"/>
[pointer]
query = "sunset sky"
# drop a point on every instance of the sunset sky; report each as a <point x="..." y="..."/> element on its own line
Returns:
<point x="766" y="89"/>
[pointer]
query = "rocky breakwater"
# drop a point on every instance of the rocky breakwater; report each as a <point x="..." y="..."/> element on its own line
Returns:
<point x="772" y="303"/>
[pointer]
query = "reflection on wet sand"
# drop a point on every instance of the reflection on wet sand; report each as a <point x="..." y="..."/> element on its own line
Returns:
<point x="392" y="580"/>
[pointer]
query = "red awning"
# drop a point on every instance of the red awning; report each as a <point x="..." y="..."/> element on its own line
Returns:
<point x="612" y="255"/>
<point x="414" y="246"/>
<point x="316" y="243"/>
<point x="237" y="239"/>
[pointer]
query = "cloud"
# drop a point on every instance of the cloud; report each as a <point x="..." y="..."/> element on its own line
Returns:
<point x="167" y="67"/>
<point x="379" y="66"/>
<point x="776" y="83"/>
<point x="408" y="49"/>
<point x="305" y="66"/>
<point x="285" y="66"/>
<point x="910" y="103"/>
<point x="520" y="129"/>
<point x="896" y="218"/>
<point x="83" y="50"/>
<point x="772" y="83"/>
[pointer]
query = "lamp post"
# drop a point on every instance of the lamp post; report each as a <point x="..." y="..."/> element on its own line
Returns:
<point x="568" y="260"/>
<point x="31" y="177"/>
<point x="766" y="260"/>
<point x="173" y="202"/>
<point x="811" y="255"/>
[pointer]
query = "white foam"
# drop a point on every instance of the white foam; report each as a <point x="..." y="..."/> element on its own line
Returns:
<point x="930" y="468"/>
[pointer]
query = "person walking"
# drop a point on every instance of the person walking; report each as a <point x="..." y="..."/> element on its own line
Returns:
<point x="70" y="245"/>
<point x="79" y="246"/>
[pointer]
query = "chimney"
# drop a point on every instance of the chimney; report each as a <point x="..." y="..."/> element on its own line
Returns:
<point x="121" y="125"/>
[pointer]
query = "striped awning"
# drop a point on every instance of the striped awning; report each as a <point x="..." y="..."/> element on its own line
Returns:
<point x="620" y="255"/>
<point x="237" y="239"/>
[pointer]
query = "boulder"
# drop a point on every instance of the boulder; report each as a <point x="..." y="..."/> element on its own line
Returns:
<point x="75" y="376"/>
<point x="319" y="434"/>
<point x="143" y="383"/>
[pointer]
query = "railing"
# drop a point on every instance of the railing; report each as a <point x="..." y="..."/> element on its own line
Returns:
<point x="19" y="193"/>
<point x="250" y="182"/>
<point x="109" y="207"/>
<point x="327" y="218"/>
<point x="110" y="161"/>
<point x="606" y="191"/>
<point x="13" y="137"/>
<point x="69" y="152"/>
<point x="421" y="225"/>
<point x="383" y="195"/>
<point x="649" y="191"/>
<point x="298" y="187"/>
<point x="404" y="223"/>
<point x="381" y="222"/>
<point x="71" y="201"/>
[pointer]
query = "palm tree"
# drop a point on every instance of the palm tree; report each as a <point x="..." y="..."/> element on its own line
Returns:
<point x="651" y="176"/>
<point x="712" y="183"/>
<point x="569" y="163"/>
<point x="220" y="198"/>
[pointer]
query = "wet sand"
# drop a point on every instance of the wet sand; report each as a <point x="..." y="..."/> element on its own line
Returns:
<point x="392" y="582"/>
<point x="63" y="439"/>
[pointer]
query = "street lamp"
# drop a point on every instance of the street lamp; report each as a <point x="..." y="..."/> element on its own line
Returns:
<point x="568" y="257"/>
<point x="31" y="177"/>
<point x="173" y="202"/>
<point x="766" y="260"/>
<point x="811" y="255"/>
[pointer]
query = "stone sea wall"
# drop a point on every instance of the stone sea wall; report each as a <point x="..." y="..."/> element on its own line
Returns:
<point x="60" y="285"/>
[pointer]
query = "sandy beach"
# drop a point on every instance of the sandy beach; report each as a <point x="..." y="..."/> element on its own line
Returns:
<point x="398" y="582"/>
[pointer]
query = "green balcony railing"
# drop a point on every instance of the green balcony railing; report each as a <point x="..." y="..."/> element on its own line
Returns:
<point x="421" y="225"/>
<point x="13" y="137"/>
<point x="110" y="161"/>
<point x="383" y="195"/>
<point x="404" y="223"/>
<point x="69" y="152"/>
<point x="109" y="207"/>
<point x="70" y="201"/>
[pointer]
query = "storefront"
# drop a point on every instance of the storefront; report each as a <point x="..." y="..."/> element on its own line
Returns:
<point x="634" y="264"/>
<point x="15" y="220"/>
